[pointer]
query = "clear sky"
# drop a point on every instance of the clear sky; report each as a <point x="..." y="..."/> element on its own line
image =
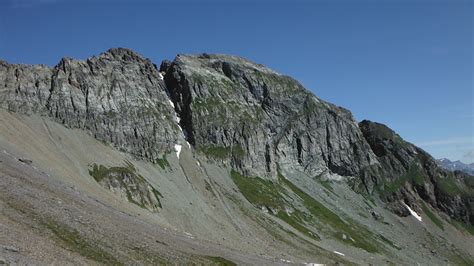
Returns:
<point x="405" y="63"/>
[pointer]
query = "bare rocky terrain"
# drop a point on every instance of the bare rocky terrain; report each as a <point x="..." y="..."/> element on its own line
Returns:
<point x="211" y="159"/>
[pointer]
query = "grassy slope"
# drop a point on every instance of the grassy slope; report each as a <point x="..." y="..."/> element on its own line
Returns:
<point x="273" y="196"/>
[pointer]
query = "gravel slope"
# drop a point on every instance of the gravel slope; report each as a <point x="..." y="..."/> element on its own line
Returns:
<point x="54" y="212"/>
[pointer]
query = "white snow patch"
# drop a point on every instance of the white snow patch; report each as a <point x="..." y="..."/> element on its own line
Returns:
<point x="180" y="129"/>
<point x="177" y="148"/>
<point x="413" y="213"/>
<point x="189" y="145"/>
<point x="171" y="103"/>
<point x="287" y="261"/>
<point x="197" y="162"/>
<point x="314" y="264"/>
<point x="160" y="76"/>
<point x="338" y="253"/>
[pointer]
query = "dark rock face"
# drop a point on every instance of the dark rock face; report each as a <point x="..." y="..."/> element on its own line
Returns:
<point x="409" y="173"/>
<point x="262" y="119"/>
<point x="120" y="97"/>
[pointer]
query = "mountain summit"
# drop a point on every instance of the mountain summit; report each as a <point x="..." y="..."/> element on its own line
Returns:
<point x="221" y="151"/>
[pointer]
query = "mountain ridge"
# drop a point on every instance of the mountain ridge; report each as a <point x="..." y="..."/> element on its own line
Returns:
<point x="218" y="102"/>
<point x="217" y="119"/>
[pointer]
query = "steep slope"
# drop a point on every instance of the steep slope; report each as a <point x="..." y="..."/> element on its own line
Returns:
<point x="256" y="119"/>
<point x="409" y="174"/>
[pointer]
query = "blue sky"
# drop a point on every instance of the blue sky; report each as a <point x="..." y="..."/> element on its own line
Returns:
<point x="407" y="64"/>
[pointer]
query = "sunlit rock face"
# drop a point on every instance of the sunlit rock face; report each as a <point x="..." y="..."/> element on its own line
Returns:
<point x="119" y="97"/>
<point x="258" y="120"/>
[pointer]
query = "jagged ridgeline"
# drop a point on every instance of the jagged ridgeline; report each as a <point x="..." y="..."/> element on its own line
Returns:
<point x="238" y="114"/>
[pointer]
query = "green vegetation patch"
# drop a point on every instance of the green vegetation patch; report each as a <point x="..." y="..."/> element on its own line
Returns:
<point x="460" y="258"/>
<point x="220" y="261"/>
<point x="77" y="243"/>
<point x="327" y="185"/>
<point x="270" y="194"/>
<point x="259" y="192"/>
<point x="388" y="241"/>
<point x="463" y="226"/>
<point x="414" y="175"/>
<point x="129" y="179"/>
<point x="432" y="216"/>
<point x="296" y="220"/>
<point x="449" y="186"/>
<point x="361" y="237"/>
<point x="100" y="172"/>
<point x="163" y="162"/>
<point x="222" y="152"/>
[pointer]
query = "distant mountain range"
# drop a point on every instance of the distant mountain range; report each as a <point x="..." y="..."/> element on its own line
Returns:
<point x="456" y="165"/>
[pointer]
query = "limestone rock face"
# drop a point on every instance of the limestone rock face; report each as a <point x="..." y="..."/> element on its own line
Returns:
<point x="258" y="119"/>
<point x="25" y="88"/>
<point x="119" y="96"/>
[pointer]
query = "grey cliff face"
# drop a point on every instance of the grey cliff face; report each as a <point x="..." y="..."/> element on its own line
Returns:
<point x="119" y="96"/>
<point x="258" y="119"/>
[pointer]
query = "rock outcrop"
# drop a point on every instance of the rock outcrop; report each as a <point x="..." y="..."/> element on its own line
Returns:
<point x="119" y="97"/>
<point x="127" y="183"/>
<point x="409" y="173"/>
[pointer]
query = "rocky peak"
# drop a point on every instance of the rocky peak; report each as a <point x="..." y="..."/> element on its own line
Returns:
<point x="119" y="96"/>
<point x="123" y="55"/>
<point x="257" y="119"/>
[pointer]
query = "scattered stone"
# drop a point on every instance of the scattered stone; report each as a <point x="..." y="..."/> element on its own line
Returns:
<point x="26" y="161"/>
<point x="376" y="215"/>
<point x="11" y="248"/>
<point x="161" y="242"/>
